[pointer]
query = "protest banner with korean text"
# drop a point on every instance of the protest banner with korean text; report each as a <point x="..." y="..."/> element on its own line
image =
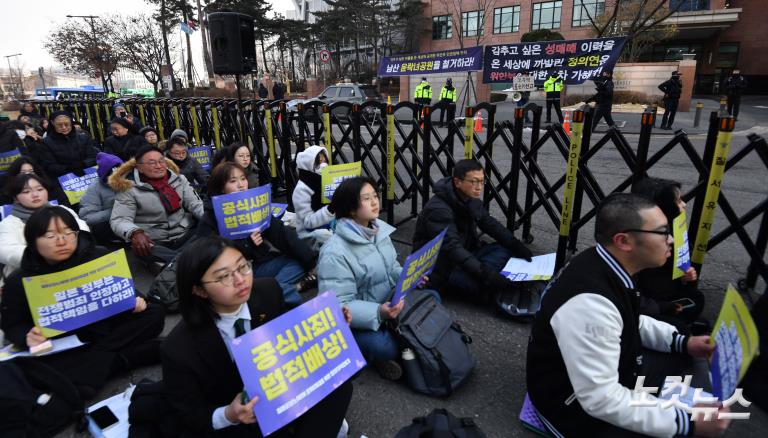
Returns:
<point x="278" y="209"/>
<point x="331" y="176"/>
<point x="203" y="155"/>
<point x="575" y="60"/>
<point x="443" y="61"/>
<point x="75" y="186"/>
<point x="6" y="159"/>
<point x="241" y="213"/>
<point x="73" y="298"/>
<point x="294" y="361"/>
<point x="682" y="251"/>
<point x="736" y="344"/>
<point x="417" y="266"/>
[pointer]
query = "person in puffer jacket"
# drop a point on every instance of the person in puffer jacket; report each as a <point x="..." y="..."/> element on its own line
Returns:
<point x="96" y="204"/>
<point x="313" y="219"/>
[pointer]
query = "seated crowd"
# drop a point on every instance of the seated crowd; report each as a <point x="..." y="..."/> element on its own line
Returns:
<point x="153" y="198"/>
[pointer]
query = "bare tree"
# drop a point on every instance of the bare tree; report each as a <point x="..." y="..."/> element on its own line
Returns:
<point x="457" y="8"/>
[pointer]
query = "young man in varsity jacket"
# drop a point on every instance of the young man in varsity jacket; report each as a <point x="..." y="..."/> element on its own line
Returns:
<point x="586" y="346"/>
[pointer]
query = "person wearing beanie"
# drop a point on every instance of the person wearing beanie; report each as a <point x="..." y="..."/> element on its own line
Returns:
<point x="119" y="111"/>
<point x="96" y="203"/>
<point x="177" y="150"/>
<point x="64" y="150"/>
<point x="156" y="209"/>
<point x="150" y="135"/>
<point x="123" y="142"/>
<point x="179" y="133"/>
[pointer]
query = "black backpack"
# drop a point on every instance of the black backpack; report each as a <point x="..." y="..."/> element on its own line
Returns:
<point x="440" y="345"/>
<point x="36" y="400"/>
<point x="163" y="290"/>
<point x="441" y="424"/>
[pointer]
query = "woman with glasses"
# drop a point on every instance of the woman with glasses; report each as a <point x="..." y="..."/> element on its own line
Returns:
<point x="359" y="263"/>
<point x="29" y="193"/>
<point x="220" y="300"/>
<point x="678" y="301"/>
<point x="64" y="150"/>
<point x="156" y="209"/>
<point x="114" y="345"/>
<point x="241" y="154"/>
<point x="276" y="251"/>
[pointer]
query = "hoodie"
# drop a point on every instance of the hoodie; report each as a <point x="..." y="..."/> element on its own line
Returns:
<point x="310" y="212"/>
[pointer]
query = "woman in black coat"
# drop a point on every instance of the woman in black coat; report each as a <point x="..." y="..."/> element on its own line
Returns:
<point x="216" y="291"/>
<point x="64" y="150"/>
<point x="123" y="142"/>
<point x="113" y="345"/>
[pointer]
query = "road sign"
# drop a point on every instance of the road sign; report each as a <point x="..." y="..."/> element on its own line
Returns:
<point x="325" y="56"/>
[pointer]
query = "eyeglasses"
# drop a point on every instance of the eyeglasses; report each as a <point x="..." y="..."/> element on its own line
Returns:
<point x="475" y="182"/>
<point x="664" y="232"/>
<point x="68" y="237"/>
<point x="153" y="163"/>
<point x="228" y="278"/>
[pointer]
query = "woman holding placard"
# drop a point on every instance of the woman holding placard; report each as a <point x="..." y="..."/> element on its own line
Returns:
<point x="55" y="242"/>
<point x="220" y="300"/>
<point x="29" y="193"/>
<point x="293" y="261"/>
<point x="676" y="301"/>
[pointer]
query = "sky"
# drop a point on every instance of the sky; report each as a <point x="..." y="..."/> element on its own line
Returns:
<point x="24" y="25"/>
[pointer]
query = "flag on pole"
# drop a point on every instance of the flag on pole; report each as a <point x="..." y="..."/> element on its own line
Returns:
<point x="185" y="28"/>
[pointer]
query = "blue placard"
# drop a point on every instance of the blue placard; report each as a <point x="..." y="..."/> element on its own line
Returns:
<point x="443" y="61"/>
<point x="203" y="155"/>
<point x="6" y="159"/>
<point x="296" y="360"/>
<point x="278" y="209"/>
<point x="416" y="267"/>
<point x="239" y="214"/>
<point x="575" y="60"/>
<point x="75" y="186"/>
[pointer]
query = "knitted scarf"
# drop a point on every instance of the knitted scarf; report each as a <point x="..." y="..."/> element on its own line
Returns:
<point x="170" y="199"/>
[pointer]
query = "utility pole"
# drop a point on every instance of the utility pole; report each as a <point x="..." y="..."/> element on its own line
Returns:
<point x="18" y="90"/>
<point x="90" y="19"/>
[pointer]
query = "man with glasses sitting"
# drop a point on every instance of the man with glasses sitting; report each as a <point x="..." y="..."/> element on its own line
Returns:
<point x="156" y="209"/>
<point x="589" y="343"/>
<point x="466" y="265"/>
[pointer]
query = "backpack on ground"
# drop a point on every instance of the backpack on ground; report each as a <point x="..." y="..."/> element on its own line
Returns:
<point x="439" y="424"/>
<point x="163" y="290"/>
<point x="36" y="400"/>
<point x="440" y="345"/>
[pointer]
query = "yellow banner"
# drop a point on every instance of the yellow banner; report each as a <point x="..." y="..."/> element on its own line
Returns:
<point x="176" y="118"/>
<point x="468" y="137"/>
<point x="571" y="172"/>
<point x="73" y="298"/>
<point x="332" y="176"/>
<point x="195" y="128"/>
<point x="327" y="133"/>
<point x="216" y="134"/>
<point x="390" y="157"/>
<point x="270" y="143"/>
<point x="159" y="120"/>
<point x="714" y="183"/>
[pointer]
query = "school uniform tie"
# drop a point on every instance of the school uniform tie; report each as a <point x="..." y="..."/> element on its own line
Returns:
<point x="239" y="327"/>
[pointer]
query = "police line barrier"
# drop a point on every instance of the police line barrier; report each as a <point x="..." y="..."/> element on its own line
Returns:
<point x="405" y="153"/>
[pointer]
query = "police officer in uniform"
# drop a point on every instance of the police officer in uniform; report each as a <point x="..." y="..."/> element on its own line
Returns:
<point x="553" y="86"/>
<point x="423" y="93"/>
<point x="448" y="98"/>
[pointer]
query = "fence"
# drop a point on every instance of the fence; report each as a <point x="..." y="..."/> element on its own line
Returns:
<point x="404" y="152"/>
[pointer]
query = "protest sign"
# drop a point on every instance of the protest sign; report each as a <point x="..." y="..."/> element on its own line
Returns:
<point x="203" y="155"/>
<point x="294" y="361"/>
<point x="539" y="268"/>
<point x="682" y="254"/>
<point x="73" y="298"/>
<point x="241" y="213"/>
<point x="331" y="176"/>
<point x="75" y="186"/>
<point x="736" y="344"/>
<point x="575" y="60"/>
<point x="523" y="82"/>
<point x="443" y="61"/>
<point x="6" y="159"/>
<point x="417" y="266"/>
<point x="278" y="209"/>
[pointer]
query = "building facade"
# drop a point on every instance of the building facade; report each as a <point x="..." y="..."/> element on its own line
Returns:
<point x="721" y="34"/>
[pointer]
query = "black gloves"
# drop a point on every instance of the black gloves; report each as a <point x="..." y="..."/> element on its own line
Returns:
<point x="520" y="251"/>
<point x="494" y="280"/>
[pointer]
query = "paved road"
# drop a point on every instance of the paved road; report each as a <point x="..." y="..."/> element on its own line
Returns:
<point x="493" y="395"/>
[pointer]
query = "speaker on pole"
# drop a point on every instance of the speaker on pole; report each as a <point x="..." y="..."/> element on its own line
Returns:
<point x="233" y="43"/>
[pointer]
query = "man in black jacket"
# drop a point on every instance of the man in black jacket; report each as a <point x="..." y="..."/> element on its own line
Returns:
<point x="603" y="98"/>
<point x="466" y="264"/>
<point x="734" y="86"/>
<point x="672" y="88"/>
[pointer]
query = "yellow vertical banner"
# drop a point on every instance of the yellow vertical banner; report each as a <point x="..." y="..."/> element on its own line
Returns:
<point x="195" y="128"/>
<point x="99" y="128"/>
<point x="216" y="135"/>
<point x="327" y="133"/>
<point x="176" y="117"/>
<point x="571" y="173"/>
<point x="159" y="119"/>
<point x="90" y="120"/>
<point x="390" y="154"/>
<point x="142" y="116"/>
<point x="77" y="114"/>
<point x="714" y="183"/>
<point x="270" y="143"/>
<point x="468" y="134"/>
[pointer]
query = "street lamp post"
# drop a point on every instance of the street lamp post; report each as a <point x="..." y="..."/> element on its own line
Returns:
<point x="90" y="19"/>
<point x="19" y="87"/>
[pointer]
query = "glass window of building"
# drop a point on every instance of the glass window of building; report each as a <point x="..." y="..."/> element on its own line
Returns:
<point x="506" y="20"/>
<point x="546" y="15"/>
<point x="441" y="28"/>
<point x="583" y="9"/>
<point x="472" y="23"/>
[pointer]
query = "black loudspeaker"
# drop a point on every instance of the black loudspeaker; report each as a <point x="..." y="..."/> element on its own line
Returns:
<point x="233" y="43"/>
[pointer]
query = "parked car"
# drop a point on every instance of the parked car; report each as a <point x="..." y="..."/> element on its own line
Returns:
<point x="352" y="93"/>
